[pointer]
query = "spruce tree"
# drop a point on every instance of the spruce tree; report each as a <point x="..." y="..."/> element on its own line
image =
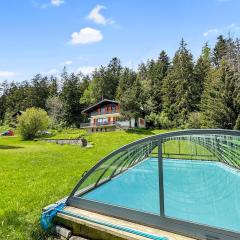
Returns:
<point x="70" y="96"/>
<point x="178" y="87"/>
<point x="151" y="78"/>
<point x="104" y="83"/>
<point x="129" y="95"/>
<point x="201" y="71"/>
<point x="219" y="103"/>
<point x="220" y="50"/>
<point x="161" y="69"/>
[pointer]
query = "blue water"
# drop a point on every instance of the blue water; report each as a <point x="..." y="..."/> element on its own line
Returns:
<point x="197" y="191"/>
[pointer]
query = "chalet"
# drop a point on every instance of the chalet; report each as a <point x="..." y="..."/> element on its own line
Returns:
<point x="105" y="116"/>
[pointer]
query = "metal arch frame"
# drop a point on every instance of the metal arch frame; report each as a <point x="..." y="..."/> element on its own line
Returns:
<point x="152" y="138"/>
<point x="161" y="221"/>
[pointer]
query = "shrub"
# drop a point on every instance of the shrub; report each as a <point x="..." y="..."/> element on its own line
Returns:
<point x="153" y="120"/>
<point x="194" y="120"/>
<point x="160" y="120"/>
<point x="165" y="122"/>
<point x="31" y="122"/>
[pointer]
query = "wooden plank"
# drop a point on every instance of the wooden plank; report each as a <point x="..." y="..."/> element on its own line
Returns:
<point x="116" y="234"/>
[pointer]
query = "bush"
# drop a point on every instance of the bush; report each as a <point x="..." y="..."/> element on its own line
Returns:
<point x="31" y="122"/>
<point x="153" y="120"/>
<point x="194" y="120"/>
<point x="165" y="121"/>
<point x="160" y="120"/>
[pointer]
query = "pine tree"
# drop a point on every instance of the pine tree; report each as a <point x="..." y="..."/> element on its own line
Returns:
<point x="178" y="87"/>
<point x="39" y="91"/>
<point x="151" y="78"/>
<point x="129" y="95"/>
<point x="146" y="77"/>
<point x="161" y="66"/>
<point x="201" y="71"/>
<point x="70" y="96"/>
<point x="219" y="103"/>
<point x="220" y="50"/>
<point x="127" y="79"/>
<point x="53" y="86"/>
<point x="104" y="83"/>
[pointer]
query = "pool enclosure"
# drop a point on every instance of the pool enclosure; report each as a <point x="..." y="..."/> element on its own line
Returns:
<point x="187" y="182"/>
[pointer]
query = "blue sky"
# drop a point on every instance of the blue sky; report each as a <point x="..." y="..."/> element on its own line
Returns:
<point x="41" y="36"/>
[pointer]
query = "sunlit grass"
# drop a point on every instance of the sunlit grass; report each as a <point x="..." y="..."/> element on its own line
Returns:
<point x="34" y="174"/>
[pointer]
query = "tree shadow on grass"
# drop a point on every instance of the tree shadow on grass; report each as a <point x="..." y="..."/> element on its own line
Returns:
<point x="7" y="147"/>
<point x="11" y="218"/>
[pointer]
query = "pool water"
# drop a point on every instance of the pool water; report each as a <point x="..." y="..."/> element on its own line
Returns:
<point x="203" y="192"/>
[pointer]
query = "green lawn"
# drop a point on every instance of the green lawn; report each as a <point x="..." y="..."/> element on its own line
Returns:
<point x="34" y="174"/>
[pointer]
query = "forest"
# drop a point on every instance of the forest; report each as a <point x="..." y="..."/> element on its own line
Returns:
<point x="181" y="92"/>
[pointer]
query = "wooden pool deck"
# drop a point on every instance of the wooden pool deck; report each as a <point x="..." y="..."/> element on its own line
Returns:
<point x="95" y="231"/>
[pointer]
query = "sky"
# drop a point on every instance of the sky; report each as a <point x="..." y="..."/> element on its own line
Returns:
<point x="43" y="36"/>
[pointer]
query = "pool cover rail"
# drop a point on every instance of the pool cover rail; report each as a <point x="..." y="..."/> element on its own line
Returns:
<point x="148" y="144"/>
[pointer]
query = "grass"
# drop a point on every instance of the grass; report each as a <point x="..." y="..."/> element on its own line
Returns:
<point x="34" y="174"/>
<point x="3" y="128"/>
<point x="66" y="133"/>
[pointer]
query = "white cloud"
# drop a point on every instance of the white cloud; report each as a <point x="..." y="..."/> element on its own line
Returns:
<point x="86" y="35"/>
<point x="57" y="3"/>
<point x="6" y="74"/>
<point x="96" y="16"/>
<point x="233" y="28"/>
<point x="67" y="63"/>
<point x="86" y="69"/>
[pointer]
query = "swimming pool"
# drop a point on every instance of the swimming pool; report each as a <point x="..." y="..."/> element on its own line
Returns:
<point x="203" y="192"/>
<point x="186" y="182"/>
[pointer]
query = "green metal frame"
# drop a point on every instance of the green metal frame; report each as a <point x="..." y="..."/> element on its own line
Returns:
<point x="146" y="145"/>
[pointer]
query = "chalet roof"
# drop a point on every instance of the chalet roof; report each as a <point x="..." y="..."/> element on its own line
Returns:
<point x="99" y="104"/>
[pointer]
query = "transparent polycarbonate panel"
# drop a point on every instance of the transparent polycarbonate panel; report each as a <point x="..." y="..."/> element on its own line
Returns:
<point x="202" y="183"/>
<point x="129" y="179"/>
<point x="183" y="148"/>
<point x="118" y="163"/>
<point x="96" y="176"/>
